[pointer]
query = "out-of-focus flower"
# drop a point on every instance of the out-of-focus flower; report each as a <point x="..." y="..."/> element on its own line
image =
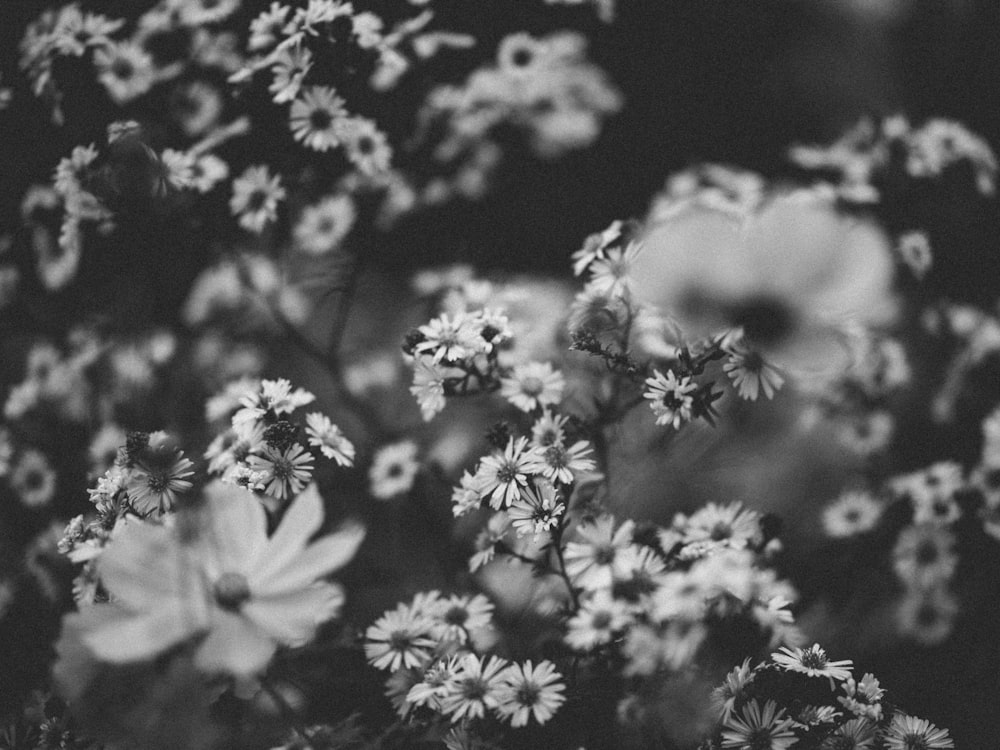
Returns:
<point x="315" y="118"/>
<point x="255" y="199"/>
<point x="591" y="562"/>
<point x="393" y="470"/>
<point x="329" y="438"/>
<point x="126" y="70"/>
<point x="789" y="276"/>
<point x="597" y="621"/>
<point x="850" y="514"/>
<point x="223" y="578"/>
<point x="33" y="479"/>
<point x="533" y="385"/>
<point x="322" y="227"/>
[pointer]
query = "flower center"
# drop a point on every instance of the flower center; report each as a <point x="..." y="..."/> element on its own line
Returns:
<point x="814" y="659"/>
<point x="507" y="473"/>
<point x="532" y="386"/>
<point x="231" y="590"/>
<point x="122" y="68"/>
<point x="320" y="119"/>
<point x="764" y="319"/>
<point x="721" y="531"/>
<point x="456" y="616"/>
<point x="604" y="555"/>
<point x="527" y="694"/>
<point x="399" y="640"/>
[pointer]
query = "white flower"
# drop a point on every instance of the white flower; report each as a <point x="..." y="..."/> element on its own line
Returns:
<point x="530" y="691"/>
<point x="400" y="638"/>
<point x="366" y="146"/>
<point x="393" y="470"/>
<point x="751" y="373"/>
<point x="255" y="199"/>
<point x="428" y="386"/>
<point x="316" y="116"/>
<point x="600" y="617"/>
<point x="219" y="576"/>
<point x="533" y="385"/>
<point x="289" y="68"/>
<point x="812" y="662"/>
<point x="126" y="70"/>
<point x="285" y="472"/>
<point x="503" y="475"/>
<point x="33" y="479"/>
<point x="323" y="226"/>
<point x="591" y="563"/>
<point x="851" y="513"/>
<point x="476" y="687"/>
<point x="537" y="510"/>
<point x="558" y="463"/>
<point x="326" y="436"/>
<point x="669" y="398"/>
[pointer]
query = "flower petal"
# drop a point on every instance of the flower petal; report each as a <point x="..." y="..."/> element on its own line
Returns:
<point x="235" y="645"/>
<point x="319" y="559"/>
<point x="144" y="565"/>
<point x="236" y="527"/>
<point x="303" y="517"/>
<point x="292" y="618"/>
<point x="124" y="637"/>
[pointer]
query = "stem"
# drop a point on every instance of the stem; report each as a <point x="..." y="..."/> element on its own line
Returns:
<point x="287" y="712"/>
<point x="557" y="545"/>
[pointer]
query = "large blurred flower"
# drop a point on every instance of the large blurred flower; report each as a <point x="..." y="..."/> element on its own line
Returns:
<point x="790" y="275"/>
<point x="223" y="579"/>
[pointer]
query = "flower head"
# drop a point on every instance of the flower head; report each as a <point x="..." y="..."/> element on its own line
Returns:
<point x="530" y="691"/>
<point x="670" y="398"/>
<point x="754" y="727"/>
<point x="812" y="662"/>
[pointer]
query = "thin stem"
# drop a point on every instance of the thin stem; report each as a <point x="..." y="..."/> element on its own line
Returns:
<point x="557" y="545"/>
<point x="287" y="712"/>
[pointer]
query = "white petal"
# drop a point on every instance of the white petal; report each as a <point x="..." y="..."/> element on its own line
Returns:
<point x="236" y="528"/>
<point x="129" y="638"/>
<point x="144" y="565"/>
<point x="319" y="559"/>
<point x="292" y="618"/>
<point x="235" y="646"/>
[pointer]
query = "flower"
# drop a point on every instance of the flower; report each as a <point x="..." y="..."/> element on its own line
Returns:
<point x="255" y="199"/>
<point x="488" y="539"/>
<point x="670" y="398"/>
<point x="315" y="118"/>
<point x="726" y="525"/>
<point x="863" y="698"/>
<point x="126" y="70"/>
<point x="533" y="385"/>
<point x="537" y="510"/>
<point x="366" y="146"/>
<point x="289" y="68"/>
<point x="812" y="662"/>
<point x="285" y="472"/>
<point x="594" y="247"/>
<point x="910" y="733"/>
<point x="756" y="728"/>
<point x="475" y="687"/>
<point x="33" y="479"/>
<point x="591" y="563"/>
<point x="267" y="27"/>
<point x="560" y="464"/>
<point x="530" y="691"/>
<point x="927" y="615"/>
<point x="322" y="227"/>
<point x="160" y="472"/>
<point x="852" y="513"/>
<point x="610" y="274"/>
<point x="400" y="638"/>
<point x="790" y="274"/>
<point x="502" y="476"/>
<point x="598" y="619"/>
<point x="393" y="470"/>
<point x="725" y="696"/>
<point x="548" y="429"/>
<point x="751" y="373"/>
<point x="450" y="339"/>
<point x="914" y="250"/>
<point x="856" y="734"/>
<point x="923" y="555"/>
<point x="459" y="616"/>
<point x="428" y="387"/>
<point x="326" y="436"/>
<point x="219" y="576"/>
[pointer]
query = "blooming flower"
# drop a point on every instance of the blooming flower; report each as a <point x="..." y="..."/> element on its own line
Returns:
<point x="669" y="397"/>
<point x="729" y="525"/>
<point x="910" y="733"/>
<point x="502" y="475"/>
<point x="751" y="373"/>
<point x="400" y="638"/>
<point x="289" y="68"/>
<point x="757" y="728"/>
<point x="315" y="118"/>
<point x="322" y="227"/>
<point x="285" y="472"/>
<point x="923" y="555"/>
<point x="591" y="562"/>
<point x="326" y="436"/>
<point x="476" y="686"/>
<point x="219" y="576"/>
<point x="850" y="514"/>
<point x="597" y="621"/>
<point x="160" y="472"/>
<point x="532" y="385"/>
<point x="530" y="691"/>
<point x="459" y="616"/>
<point x="560" y="464"/>
<point x="33" y="479"/>
<point x="812" y="662"/>
<point x="393" y="470"/>
<point x="365" y="145"/>
<point x="126" y="70"/>
<point x="428" y="387"/>
<point x="725" y="696"/>
<point x="537" y="510"/>
<point x="255" y="199"/>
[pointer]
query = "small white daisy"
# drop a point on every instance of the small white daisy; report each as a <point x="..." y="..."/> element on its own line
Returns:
<point x="400" y="638"/>
<point x="286" y="472"/>
<point x="255" y="199"/>
<point x="812" y="662"/>
<point x="503" y="475"/>
<point x="125" y="69"/>
<point x="591" y="562"/>
<point x="530" y="691"/>
<point x="33" y="479"/>
<point x="850" y="514"/>
<point x="323" y="226"/>
<point x="329" y="438"/>
<point x="670" y="398"/>
<point x="475" y="688"/>
<point x="600" y="617"/>
<point x="537" y="510"/>
<point x="393" y="470"/>
<point x="533" y="385"/>
<point x="315" y="118"/>
<point x="366" y="146"/>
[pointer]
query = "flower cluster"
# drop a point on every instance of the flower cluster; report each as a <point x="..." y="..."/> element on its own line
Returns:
<point x="264" y="450"/>
<point x="800" y="698"/>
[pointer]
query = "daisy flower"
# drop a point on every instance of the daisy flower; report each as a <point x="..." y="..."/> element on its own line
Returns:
<point x="532" y="385"/>
<point x="266" y="28"/>
<point x="33" y="479"/>
<point x="393" y="470"/>
<point x="502" y="476"/>
<point x="863" y="697"/>
<point x="400" y="638"/>
<point x="812" y="662"/>
<point x="914" y="251"/>
<point x="560" y="464"/>
<point x="329" y="438"/>
<point x="274" y="396"/>
<point x="255" y="198"/>
<point x="852" y="513"/>
<point x="428" y="387"/>
<point x="220" y="580"/>
<point x="208" y="171"/>
<point x="591" y="563"/>
<point x="923" y="555"/>
<point x="856" y="734"/>
<point x="537" y="510"/>
<point x="488" y="539"/>
<point x="548" y="429"/>
<point x="594" y="247"/>
<point x="610" y="274"/>
<point x="449" y="339"/>
<point x="466" y="496"/>
<point x="670" y="398"/>
<point x="322" y="227"/>
<point x="530" y="691"/>
<point x="160" y="472"/>
<point x="437" y="680"/>
<point x="910" y="733"/>
<point x="286" y="471"/>
<point x="125" y="69"/>
<point x="728" y="525"/>
<point x="457" y="617"/>
<point x="476" y="687"/>
<point x="756" y="728"/>
<point x="599" y="618"/>
<point x="289" y="68"/>
<point x="315" y="118"/>
<point x="751" y="373"/>
<point x="734" y="688"/>
<point x="927" y="615"/>
<point x="366" y="146"/>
